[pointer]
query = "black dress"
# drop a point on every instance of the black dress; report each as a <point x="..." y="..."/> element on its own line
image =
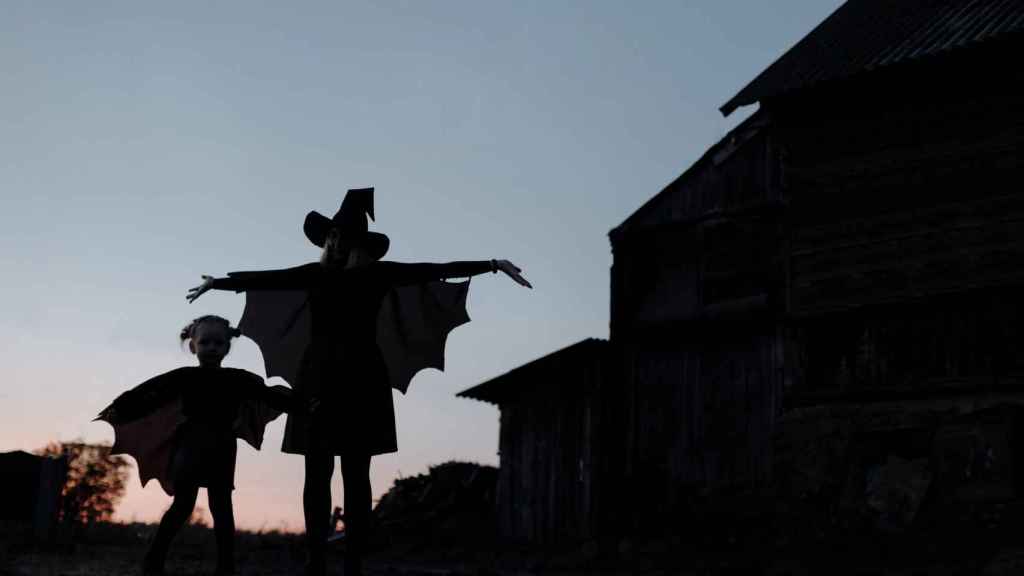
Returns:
<point x="205" y="444"/>
<point x="342" y="366"/>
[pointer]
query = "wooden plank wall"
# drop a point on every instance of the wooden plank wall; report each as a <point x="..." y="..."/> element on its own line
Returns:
<point x="898" y="198"/>
<point x="932" y="248"/>
<point x="948" y="343"/>
<point x="701" y="415"/>
<point x="550" y="443"/>
<point x="694" y="279"/>
<point x="730" y="197"/>
<point x="906" y="229"/>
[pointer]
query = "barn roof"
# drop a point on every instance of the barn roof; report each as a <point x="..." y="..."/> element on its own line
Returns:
<point x="863" y="35"/>
<point x="679" y="200"/>
<point x="511" y="384"/>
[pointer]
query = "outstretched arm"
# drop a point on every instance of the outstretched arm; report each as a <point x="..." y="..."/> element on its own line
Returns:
<point x="287" y="279"/>
<point x="280" y="398"/>
<point x="400" y="274"/>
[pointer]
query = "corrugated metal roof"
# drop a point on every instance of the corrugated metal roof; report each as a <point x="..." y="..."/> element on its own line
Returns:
<point x="509" y="385"/>
<point x="863" y="35"/>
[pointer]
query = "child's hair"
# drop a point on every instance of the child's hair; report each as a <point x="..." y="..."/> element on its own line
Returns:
<point x="190" y="329"/>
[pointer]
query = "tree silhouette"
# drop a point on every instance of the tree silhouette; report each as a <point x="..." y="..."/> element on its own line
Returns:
<point x="95" y="481"/>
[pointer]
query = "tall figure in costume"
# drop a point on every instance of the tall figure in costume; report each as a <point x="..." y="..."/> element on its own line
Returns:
<point x="357" y="308"/>
<point x="181" y="427"/>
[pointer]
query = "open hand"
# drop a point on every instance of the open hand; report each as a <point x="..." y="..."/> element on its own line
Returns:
<point x="513" y="272"/>
<point x="198" y="291"/>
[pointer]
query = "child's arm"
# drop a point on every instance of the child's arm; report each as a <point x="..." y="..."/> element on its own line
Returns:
<point x="279" y="398"/>
<point x="258" y="405"/>
<point x="296" y="278"/>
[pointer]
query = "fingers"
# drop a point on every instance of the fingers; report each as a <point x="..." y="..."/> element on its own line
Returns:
<point x="520" y="280"/>
<point x="197" y="291"/>
<point x="513" y="272"/>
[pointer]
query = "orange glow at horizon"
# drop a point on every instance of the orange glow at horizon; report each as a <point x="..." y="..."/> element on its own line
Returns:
<point x="259" y="505"/>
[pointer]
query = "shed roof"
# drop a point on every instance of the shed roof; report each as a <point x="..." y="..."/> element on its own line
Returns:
<point x="863" y="35"/>
<point x="514" y="382"/>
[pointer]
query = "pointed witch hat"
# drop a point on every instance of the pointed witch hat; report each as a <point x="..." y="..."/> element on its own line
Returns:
<point x="350" y="220"/>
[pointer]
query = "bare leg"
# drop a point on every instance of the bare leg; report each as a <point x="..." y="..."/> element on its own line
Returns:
<point x="316" y="506"/>
<point x="222" y="510"/>
<point x="170" y="524"/>
<point x="355" y="473"/>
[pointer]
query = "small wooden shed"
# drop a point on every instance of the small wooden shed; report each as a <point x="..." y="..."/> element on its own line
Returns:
<point x="552" y="444"/>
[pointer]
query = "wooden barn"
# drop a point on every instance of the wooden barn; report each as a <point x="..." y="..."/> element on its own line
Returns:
<point x="900" y="154"/>
<point x="551" y="458"/>
<point x="836" y="286"/>
<point x="829" y="301"/>
<point x="899" y="140"/>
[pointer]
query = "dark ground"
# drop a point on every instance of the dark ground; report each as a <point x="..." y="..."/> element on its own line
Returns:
<point x="442" y="523"/>
<point x="115" y="549"/>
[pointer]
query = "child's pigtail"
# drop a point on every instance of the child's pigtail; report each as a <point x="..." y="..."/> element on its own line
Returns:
<point x="186" y="332"/>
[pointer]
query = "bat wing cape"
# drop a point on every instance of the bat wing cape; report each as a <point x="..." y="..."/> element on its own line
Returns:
<point x="412" y="328"/>
<point x="147" y="418"/>
<point x="150" y="440"/>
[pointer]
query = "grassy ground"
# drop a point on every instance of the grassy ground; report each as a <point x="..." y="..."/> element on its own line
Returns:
<point x="117" y="549"/>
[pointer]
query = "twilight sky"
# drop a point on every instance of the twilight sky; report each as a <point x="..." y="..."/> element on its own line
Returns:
<point x="143" y="144"/>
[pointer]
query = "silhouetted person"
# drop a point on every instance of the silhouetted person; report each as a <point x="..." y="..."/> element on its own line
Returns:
<point x="198" y="452"/>
<point x="343" y="368"/>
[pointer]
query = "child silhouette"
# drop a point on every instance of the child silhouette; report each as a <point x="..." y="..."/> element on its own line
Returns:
<point x="181" y="427"/>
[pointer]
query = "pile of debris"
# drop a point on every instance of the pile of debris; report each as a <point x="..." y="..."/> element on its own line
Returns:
<point x="453" y="505"/>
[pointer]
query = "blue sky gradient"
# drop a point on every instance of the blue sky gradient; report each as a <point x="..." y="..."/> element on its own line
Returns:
<point x="144" y="144"/>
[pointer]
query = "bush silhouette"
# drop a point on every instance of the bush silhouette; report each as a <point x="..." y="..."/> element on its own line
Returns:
<point x="95" y="481"/>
